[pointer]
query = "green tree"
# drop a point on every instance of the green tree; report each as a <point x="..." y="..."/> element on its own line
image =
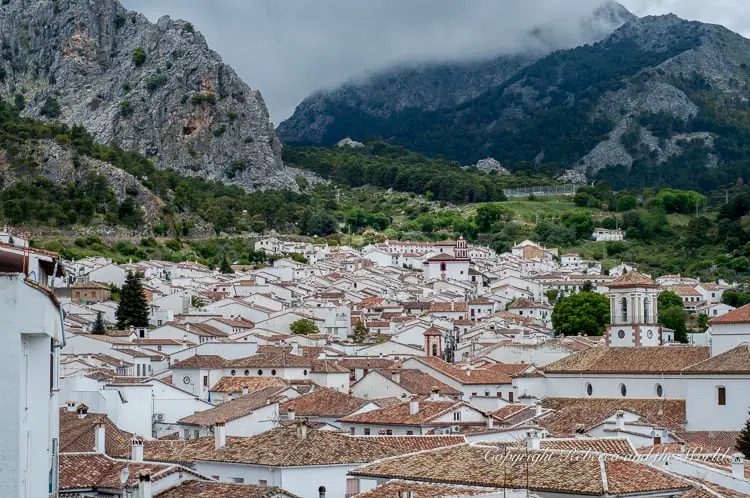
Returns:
<point x="703" y="321"/>
<point x="197" y="301"/>
<point x="304" y="327"/>
<point x="743" y="440"/>
<point x="133" y="308"/>
<point x="51" y="108"/>
<point x="99" y="328"/>
<point x="139" y="56"/>
<point x="669" y="298"/>
<point x="225" y="267"/>
<point x="673" y="317"/>
<point x="583" y="313"/>
<point x="360" y="333"/>
<point x="552" y="296"/>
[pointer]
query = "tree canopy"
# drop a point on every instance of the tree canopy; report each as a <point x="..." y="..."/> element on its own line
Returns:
<point x="304" y="327"/>
<point x="133" y="309"/>
<point x="583" y="313"/>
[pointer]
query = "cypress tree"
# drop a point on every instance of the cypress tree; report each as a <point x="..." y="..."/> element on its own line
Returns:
<point x="743" y="440"/>
<point x="133" y="308"/>
<point x="99" y="327"/>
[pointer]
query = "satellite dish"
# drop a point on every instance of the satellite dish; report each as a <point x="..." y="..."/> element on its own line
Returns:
<point x="124" y="474"/>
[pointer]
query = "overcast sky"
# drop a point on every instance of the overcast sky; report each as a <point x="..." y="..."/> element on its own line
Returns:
<point x="290" y="48"/>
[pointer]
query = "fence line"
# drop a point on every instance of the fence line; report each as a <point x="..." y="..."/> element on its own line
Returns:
<point x="566" y="189"/>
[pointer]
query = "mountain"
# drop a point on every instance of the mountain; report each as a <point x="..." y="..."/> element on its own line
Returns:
<point x="153" y="88"/>
<point x="660" y="101"/>
<point x="325" y="117"/>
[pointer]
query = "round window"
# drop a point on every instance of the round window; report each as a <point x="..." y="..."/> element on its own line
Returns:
<point x="621" y="334"/>
<point x="304" y="372"/>
<point x="623" y="390"/>
<point x="273" y="372"/>
<point x="260" y="372"/>
<point x="234" y="372"/>
<point x="659" y="390"/>
<point x="247" y="372"/>
<point x="589" y="389"/>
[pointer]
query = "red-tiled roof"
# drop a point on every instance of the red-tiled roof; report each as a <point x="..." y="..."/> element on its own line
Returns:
<point x="661" y="359"/>
<point x="740" y="315"/>
<point x="410" y="444"/>
<point x="203" y="489"/>
<point x="632" y="279"/>
<point x="323" y="402"/>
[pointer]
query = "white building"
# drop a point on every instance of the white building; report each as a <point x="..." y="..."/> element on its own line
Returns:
<point x="29" y="363"/>
<point x="607" y="235"/>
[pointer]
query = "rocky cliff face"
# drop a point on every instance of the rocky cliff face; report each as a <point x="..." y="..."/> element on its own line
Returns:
<point x="153" y="88"/>
<point x="323" y="118"/>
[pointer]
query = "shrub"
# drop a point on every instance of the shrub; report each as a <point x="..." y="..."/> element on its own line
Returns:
<point x="139" y="56"/>
<point x="125" y="108"/>
<point x="203" y="98"/>
<point x="119" y="20"/>
<point x="220" y="130"/>
<point x="51" y="108"/>
<point x="188" y="27"/>
<point x="155" y="82"/>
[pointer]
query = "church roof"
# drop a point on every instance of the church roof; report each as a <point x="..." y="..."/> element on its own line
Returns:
<point x="672" y="359"/>
<point x="735" y="361"/>
<point x="632" y="279"/>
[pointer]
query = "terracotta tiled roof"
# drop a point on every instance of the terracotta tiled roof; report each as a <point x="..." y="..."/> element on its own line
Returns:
<point x="740" y="315"/>
<point x="474" y="376"/>
<point x="323" y="402"/>
<point x="288" y="446"/>
<point x="202" y="489"/>
<point x="416" y="305"/>
<point x="736" y="360"/>
<point x="410" y="444"/>
<point x="271" y="360"/>
<point x="684" y="290"/>
<point x="419" y="383"/>
<point x="568" y="412"/>
<point x="608" y="445"/>
<point x="162" y="342"/>
<point x="711" y="439"/>
<point x="661" y="359"/>
<point x="423" y="490"/>
<point x="555" y="472"/>
<point x="201" y="361"/>
<point x="78" y="434"/>
<point x="399" y="414"/>
<point x="511" y="415"/>
<point x="523" y="303"/>
<point x="236" y="408"/>
<point x="235" y="384"/>
<point x="632" y="279"/>
<point x="368" y="363"/>
<point x="93" y="470"/>
<point x="451" y="306"/>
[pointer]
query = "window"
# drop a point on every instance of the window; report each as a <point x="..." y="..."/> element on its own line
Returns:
<point x="659" y="390"/>
<point x="388" y="432"/>
<point x="233" y="372"/>
<point x="322" y="492"/>
<point x="196" y="434"/>
<point x="510" y="397"/>
<point x="352" y="431"/>
<point x="262" y="482"/>
<point x="273" y="372"/>
<point x="621" y="334"/>
<point x="304" y="372"/>
<point x="367" y="431"/>
<point x="647" y="310"/>
<point x="623" y="390"/>
<point x="434" y="350"/>
<point x="187" y="434"/>
<point x="260" y="372"/>
<point x="205" y="381"/>
<point x="247" y="372"/>
<point x="624" y="309"/>
<point x="409" y="433"/>
<point x="442" y="266"/>
<point x="589" y="389"/>
<point x="352" y="487"/>
<point x="456" y="416"/>
<point x="238" y="480"/>
<point x="722" y="393"/>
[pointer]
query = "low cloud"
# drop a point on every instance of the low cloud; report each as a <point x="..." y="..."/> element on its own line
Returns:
<point x="290" y="48"/>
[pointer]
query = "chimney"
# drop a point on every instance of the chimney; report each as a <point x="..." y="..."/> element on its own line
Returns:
<point x="534" y="441"/>
<point x="82" y="410"/>
<point x="228" y="396"/>
<point x="490" y="422"/>
<point x="70" y="406"/>
<point x="738" y="465"/>
<point x="468" y="372"/>
<point x="538" y="409"/>
<point x="413" y="407"/>
<point x="396" y="376"/>
<point x="291" y="414"/>
<point x="136" y="449"/>
<point x="620" y="419"/>
<point x="435" y="396"/>
<point x="295" y="349"/>
<point x="144" y="484"/>
<point x="220" y="434"/>
<point x="245" y="390"/>
<point x="99" y="438"/>
<point x="302" y="431"/>
<point x="682" y="446"/>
